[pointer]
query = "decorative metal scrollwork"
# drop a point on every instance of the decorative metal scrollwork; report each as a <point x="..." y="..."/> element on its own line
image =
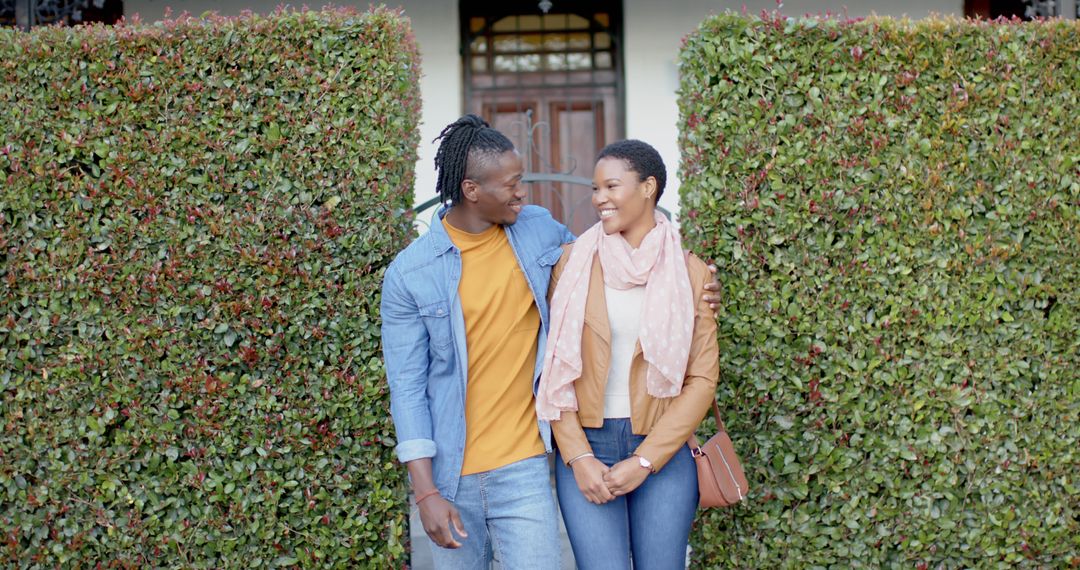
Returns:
<point x="7" y="12"/>
<point x="531" y="145"/>
<point x="44" y="12"/>
<point x="1046" y="9"/>
<point x="1040" y="8"/>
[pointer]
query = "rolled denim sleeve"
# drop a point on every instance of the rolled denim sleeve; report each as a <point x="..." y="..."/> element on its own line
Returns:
<point x="405" y="351"/>
<point x="567" y="235"/>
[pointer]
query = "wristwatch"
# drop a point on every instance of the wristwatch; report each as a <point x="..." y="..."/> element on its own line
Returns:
<point x="644" y="463"/>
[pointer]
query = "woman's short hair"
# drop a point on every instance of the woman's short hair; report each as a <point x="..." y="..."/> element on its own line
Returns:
<point x="640" y="157"/>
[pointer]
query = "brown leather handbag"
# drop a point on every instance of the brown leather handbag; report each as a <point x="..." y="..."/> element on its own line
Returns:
<point x="721" y="481"/>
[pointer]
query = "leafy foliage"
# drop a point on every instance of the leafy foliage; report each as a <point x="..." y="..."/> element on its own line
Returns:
<point x="894" y="208"/>
<point x="194" y="220"/>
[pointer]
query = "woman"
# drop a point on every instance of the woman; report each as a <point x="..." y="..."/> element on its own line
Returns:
<point x="629" y="371"/>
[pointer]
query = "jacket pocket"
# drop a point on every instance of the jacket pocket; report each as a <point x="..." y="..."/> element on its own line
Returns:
<point x="437" y="320"/>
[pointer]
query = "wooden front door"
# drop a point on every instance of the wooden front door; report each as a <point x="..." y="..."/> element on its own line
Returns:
<point x="553" y="84"/>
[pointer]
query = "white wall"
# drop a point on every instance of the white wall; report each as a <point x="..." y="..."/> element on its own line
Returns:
<point x="437" y="29"/>
<point x="653" y="33"/>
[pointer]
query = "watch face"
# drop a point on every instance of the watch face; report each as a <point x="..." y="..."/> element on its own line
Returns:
<point x="644" y="462"/>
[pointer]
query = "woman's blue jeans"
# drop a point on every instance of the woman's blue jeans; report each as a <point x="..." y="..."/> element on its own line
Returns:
<point x="650" y="526"/>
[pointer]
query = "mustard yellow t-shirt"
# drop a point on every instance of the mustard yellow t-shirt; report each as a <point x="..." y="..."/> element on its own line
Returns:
<point x="501" y="324"/>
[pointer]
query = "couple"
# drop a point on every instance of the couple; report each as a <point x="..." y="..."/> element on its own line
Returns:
<point x="481" y="376"/>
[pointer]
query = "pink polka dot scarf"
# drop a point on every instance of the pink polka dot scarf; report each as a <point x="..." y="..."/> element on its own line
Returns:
<point x="667" y="313"/>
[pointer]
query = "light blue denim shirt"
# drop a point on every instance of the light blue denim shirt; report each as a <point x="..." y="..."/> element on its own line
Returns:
<point x="423" y="337"/>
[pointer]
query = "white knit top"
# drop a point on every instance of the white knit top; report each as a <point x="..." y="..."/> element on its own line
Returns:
<point x="624" y="318"/>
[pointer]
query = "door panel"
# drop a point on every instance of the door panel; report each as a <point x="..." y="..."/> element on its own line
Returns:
<point x="577" y="135"/>
<point x="552" y="83"/>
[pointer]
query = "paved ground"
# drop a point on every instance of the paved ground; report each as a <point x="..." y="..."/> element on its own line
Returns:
<point x="421" y="554"/>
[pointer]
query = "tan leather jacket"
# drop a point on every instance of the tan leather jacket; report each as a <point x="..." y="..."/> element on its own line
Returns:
<point x="666" y="422"/>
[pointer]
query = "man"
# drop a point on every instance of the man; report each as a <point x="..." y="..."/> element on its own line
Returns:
<point x="465" y="321"/>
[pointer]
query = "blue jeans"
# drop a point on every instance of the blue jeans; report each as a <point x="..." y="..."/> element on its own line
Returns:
<point x="651" y="525"/>
<point x="509" y="513"/>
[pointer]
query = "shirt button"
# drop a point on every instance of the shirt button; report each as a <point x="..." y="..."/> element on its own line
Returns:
<point x="439" y="312"/>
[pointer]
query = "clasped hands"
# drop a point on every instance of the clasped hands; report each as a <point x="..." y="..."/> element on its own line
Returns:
<point x="600" y="483"/>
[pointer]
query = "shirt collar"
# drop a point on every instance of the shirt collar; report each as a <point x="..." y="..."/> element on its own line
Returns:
<point x="440" y="240"/>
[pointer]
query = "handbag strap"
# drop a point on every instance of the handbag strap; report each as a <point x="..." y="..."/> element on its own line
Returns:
<point x="716" y="412"/>
<point x="692" y="441"/>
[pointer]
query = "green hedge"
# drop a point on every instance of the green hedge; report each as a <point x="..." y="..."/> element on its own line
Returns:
<point x="194" y="220"/>
<point x="894" y="207"/>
